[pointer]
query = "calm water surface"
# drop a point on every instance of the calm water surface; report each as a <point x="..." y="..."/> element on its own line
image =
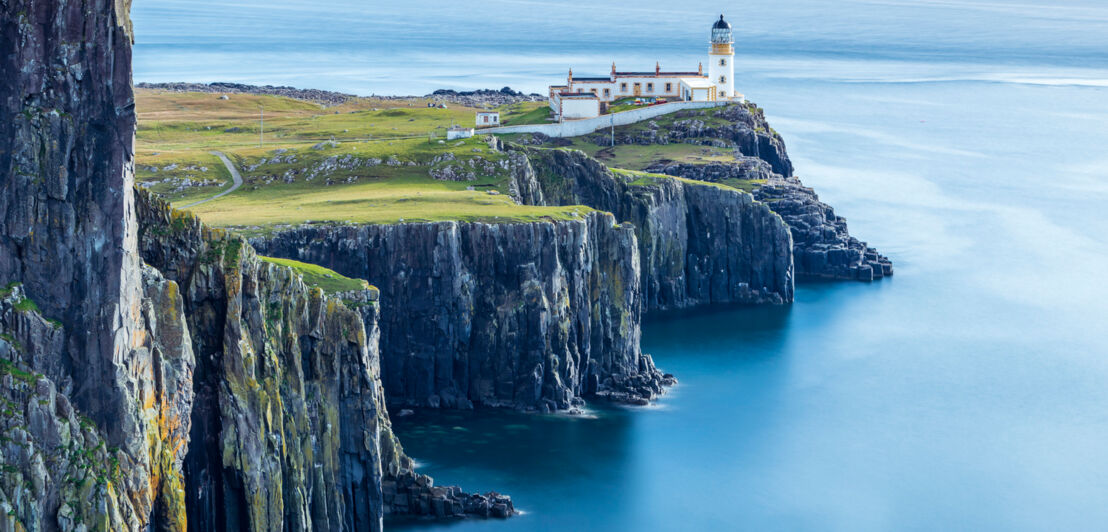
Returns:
<point x="966" y="140"/>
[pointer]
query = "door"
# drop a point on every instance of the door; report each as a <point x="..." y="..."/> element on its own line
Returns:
<point x="638" y="89"/>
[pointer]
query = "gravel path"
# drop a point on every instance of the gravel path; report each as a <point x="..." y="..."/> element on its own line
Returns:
<point x="234" y="174"/>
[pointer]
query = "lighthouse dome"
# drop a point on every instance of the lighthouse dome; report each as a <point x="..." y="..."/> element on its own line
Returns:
<point x="721" y="32"/>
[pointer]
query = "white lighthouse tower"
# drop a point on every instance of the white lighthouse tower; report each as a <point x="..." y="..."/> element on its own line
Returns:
<point x="721" y="67"/>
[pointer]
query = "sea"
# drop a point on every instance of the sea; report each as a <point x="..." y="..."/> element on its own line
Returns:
<point x="965" y="139"/>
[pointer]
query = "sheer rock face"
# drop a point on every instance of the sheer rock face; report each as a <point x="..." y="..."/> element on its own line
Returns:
<point x="67" y="233"/>
<point x="288" y="404"/>
<point x="822" y="244"/>
<point x="223" y="394"/>
<point x="699" y="243"/>
<point x="532" y="316"/>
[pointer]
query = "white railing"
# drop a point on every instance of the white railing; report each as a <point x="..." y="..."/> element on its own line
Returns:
<point x="574" y="128"/>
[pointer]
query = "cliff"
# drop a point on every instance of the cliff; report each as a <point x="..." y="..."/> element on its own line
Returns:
<point x="822" y="244"/>
<point x="67" y="235"/>
<point x="533" y="316"/>
<point x="699" y="243"/>
<point x="205" y="388"/>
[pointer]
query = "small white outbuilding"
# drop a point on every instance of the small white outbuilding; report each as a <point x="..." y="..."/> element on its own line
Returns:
<point x="488" y="118"/>
<point x="459" y="132"/>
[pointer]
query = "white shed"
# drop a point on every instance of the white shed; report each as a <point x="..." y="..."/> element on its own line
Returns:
<point x="698" y="90"/>
<point x="459" y="132"/>
<point x="488" y="118"/>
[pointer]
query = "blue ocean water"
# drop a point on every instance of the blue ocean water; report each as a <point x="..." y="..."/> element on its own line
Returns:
<point x="964" y="139"/>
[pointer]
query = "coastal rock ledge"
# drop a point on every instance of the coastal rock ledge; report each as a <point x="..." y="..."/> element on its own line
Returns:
<point x="156" y="374"/>
<point x="534" y="316"/>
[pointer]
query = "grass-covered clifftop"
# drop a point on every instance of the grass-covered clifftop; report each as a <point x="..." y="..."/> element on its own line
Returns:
<point x="367" y="160"/>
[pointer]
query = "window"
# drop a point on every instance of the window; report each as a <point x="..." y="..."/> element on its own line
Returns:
<point x="649" y="87"/>
<point x="623" y="87"/>
<point x="723" y="79"/>
<point x="607" y="92"/>
<point x="669" y="87"/>
<point x="594" y="91"/>
<point x="722" y="62"/>
<point x="486" y="119"/>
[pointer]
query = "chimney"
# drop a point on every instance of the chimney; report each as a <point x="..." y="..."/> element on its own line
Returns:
<point x="613" y="71"/>
<point x="700" y="68"/>
<point x="658" y="68"/>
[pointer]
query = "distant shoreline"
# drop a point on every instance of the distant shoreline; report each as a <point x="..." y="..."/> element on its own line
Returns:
<point x="476" y="98"/>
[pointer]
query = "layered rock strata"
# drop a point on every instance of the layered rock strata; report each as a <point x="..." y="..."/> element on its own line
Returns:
<point x="291" y="427"/>
<point x="822" y="244"/>
<point x="67" y="234"/>
<point x="533" y="316"/>
<point x="205" y="389"/>
<point x="699" y="243"/>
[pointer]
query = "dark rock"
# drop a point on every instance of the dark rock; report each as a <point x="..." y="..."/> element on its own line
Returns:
<point x="520" y="315"/>
<point x="325" y="98"/>
<point x="822" y="245"/>
<point x="698" y="243"/>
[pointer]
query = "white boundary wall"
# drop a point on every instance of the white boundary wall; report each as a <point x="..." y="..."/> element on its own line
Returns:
<point x="574" y="128"/>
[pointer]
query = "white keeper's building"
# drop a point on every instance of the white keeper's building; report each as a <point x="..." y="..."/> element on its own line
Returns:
<point x="587" y="97"/>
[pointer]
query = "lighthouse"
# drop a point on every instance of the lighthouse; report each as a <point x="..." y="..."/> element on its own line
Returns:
<point x="583" y="97"/>
<point x="721" y="57"/>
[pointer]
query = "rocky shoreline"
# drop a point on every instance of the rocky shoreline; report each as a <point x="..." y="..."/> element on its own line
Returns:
<point x="535" y="316"/>
<point x="822" y="245"/>
<point x="476" y="98"/>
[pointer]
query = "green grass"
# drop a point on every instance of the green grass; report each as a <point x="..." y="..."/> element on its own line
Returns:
<point x="195" y="165"/>
<point x="7" y="289"/>
<point x="400" y="198"/>
<point x="637" y="178"/>
<point x="9" y="367"/>
<point x="526" y="113"/>
<point x="327" y="280"/>
<point x="627" y="104"/>
<point x="745" y="185"/>
<point x="25" y="305"/>
<point x="181" y="128"/>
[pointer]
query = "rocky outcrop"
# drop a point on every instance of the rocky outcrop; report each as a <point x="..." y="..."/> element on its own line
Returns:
<point x="67" y="233"/>
<point x="742" y="127"/>
<point x="699" y="243"/>
<point x="532" y="316"/>
<point x="204" y="389"/>
<point x="324" y="98"/>
<point x="822" y="244"/>
<point x="823" y="247"/>
<point x="745" y="169"/>
<point x="289" y="412"/>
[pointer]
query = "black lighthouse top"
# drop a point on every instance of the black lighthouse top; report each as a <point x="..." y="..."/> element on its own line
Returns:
<point x="721" y="32"/>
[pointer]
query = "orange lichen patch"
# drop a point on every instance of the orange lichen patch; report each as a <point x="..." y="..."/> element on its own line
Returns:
<point x="138" y="339"/>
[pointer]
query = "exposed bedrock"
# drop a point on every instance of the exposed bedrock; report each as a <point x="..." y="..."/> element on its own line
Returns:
<point x="533" y="316"/>
<point x="204" y="389"/>
<point x="698" y="243"/>
<point x="822" y="245"/>
<point x="742" y="127"/>
<point x="290" y="429"/>
<point x="94" y="331"/>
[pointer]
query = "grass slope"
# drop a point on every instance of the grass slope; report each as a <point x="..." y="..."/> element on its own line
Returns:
<point x="327" y="280"/>
<point x="368" y="160"/>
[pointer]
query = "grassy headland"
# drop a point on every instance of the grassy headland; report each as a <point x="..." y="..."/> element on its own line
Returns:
<point x="368" y="160"/>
